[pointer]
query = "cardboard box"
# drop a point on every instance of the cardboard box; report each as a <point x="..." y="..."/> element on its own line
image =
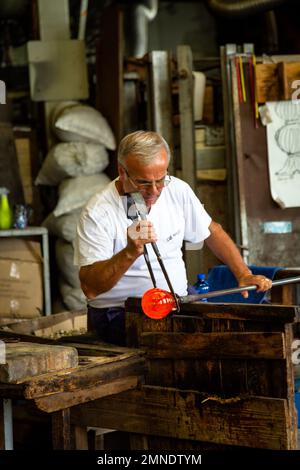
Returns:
<point x="21" y="288"/>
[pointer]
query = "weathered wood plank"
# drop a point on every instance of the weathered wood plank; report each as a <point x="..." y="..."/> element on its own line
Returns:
<point x="160" y="371"/>
<point x="244" y="421"/>
<point x="83" y="377"/>
<point x="95" y="345"/>
<point x="213" y="345"/>
<point x="59" y="401"/>
<point x="134" y="324"/>
<point x="94" y="350"/>
<point x="84" y="343"/>
<point x="195" y="373"/>
<point x="23" y="360"/>
<point x="263" y="313"/>
<point x="232" y="372"/>
<point x="57" y="319"/>
<point x="207" y="310"/>
<point x="81" y="438"/>
<point x="267" y="379"/>
<point x="61" y="430"/>
<point x="25" y="338"/>
<point x="138" y="442"/>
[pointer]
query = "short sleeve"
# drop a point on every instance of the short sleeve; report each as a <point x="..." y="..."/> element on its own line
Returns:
<point x="94" y="239"/>
<point x="197" y="220"/>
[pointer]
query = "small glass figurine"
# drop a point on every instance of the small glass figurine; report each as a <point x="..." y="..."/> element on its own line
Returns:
<point x="20" y="216"/>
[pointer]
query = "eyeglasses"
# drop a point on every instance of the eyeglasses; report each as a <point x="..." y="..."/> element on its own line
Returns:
<point x="141" y="184"/>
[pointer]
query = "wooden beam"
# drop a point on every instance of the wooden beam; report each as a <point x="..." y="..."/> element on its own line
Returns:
<point x="9" y="168"/>
<point x="257" y="422"/>
<point x="81" y="438"/>
<point x="214" y="345"/>
<point x="84" y="377"/>
<point x="109" y="70"/>
<point x="64" y="400"/>
<point x="187" y="142"/>
<point x="207" y="310"/>
<point x="186" y="109"/>
<point x="101" y="350"/>
<point x="61" y="430"/>
<point x="30" y="327"/>
<point x="138" y="442"/>
<point x="160" y="98"/>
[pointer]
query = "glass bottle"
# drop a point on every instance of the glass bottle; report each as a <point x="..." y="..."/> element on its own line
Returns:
<point x="201" y="286"/>
<point x="6" y="216"/>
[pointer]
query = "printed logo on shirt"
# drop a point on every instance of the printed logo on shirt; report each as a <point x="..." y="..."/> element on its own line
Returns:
<point x="172" y="236"/>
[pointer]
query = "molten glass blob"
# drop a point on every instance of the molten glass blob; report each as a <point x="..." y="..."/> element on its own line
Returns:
<point x="157" y="303"/>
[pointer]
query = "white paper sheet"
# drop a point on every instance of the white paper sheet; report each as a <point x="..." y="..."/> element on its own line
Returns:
<point x="283" y="138"/>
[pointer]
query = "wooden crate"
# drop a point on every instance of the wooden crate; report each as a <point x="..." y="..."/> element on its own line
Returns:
<point x="218" y="375"/>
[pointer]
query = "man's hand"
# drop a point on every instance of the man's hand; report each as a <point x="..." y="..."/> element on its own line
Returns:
<point x="138" y="234"/>
<point x="102" y="276"/>
<point x="262" y="282"/>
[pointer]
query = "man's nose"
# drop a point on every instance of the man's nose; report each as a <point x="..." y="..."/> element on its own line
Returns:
<point x="153" y="189"/>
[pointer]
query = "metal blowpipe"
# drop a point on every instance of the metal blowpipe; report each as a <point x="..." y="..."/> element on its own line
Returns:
<point x="142" y="212"/>
<point x="235" y="290"/>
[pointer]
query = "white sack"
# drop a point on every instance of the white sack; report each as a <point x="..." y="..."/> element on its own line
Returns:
<point x="78" y="122"/>
<point x="75" y="192"/>
<point x="63" y="226"/>
<point x="64" y="253"/>
<point x="73" y="298"/>
<point x="72" y="159"/>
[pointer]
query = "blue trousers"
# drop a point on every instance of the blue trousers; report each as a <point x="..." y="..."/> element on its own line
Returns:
<point x="108" y="324"/>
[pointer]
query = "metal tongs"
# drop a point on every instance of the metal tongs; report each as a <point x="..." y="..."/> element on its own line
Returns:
<point x="142" y="212"/>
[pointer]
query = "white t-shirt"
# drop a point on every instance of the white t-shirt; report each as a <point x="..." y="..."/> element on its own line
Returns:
<point x="177" y="215"/>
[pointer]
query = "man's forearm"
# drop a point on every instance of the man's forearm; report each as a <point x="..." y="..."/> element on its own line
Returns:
<point x="101" y="276"/>
<point x="225" y="249"/>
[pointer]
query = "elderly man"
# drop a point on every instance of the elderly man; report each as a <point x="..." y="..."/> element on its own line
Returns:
<point x="109" y="245"/>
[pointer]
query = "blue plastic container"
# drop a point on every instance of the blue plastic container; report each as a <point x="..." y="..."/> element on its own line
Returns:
<point x="201" y="286"/>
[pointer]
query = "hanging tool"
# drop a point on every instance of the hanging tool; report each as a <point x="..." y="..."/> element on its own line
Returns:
<point x="142" y="212"/>
<point x="158" y="303"/>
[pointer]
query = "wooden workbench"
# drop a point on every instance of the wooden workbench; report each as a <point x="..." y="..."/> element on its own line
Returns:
<point x="102" y="370"/>
<point x="219" y="376"/>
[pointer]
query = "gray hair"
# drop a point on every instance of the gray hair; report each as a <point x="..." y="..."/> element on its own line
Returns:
<point x="144" y="144"/>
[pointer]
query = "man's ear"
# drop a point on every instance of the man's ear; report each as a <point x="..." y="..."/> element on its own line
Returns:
<point x="121" y="171"/>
